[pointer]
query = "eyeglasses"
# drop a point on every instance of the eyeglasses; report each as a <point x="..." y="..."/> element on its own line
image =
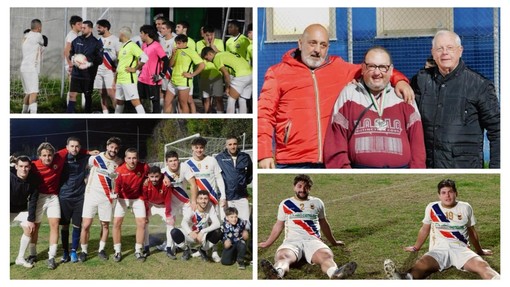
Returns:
<point x="382" y="68"/>
<point x="449" y="49"/>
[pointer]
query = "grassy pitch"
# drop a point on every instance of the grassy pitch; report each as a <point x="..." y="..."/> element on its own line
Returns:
<point x="378" y="214"/>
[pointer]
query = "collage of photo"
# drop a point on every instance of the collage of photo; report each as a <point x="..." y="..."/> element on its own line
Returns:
<point x="326" y="143"/>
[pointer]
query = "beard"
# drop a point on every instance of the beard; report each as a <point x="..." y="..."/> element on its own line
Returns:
<point x="313" y="62"/>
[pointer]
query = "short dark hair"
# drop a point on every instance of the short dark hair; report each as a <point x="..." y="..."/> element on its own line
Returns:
<point x="75" y="139"/>
<point x="305" y="178"/>
<point x="35" y="23"/>
<point x="104" y="23"/>
<point x="208" y="29"/>
<point x="206" y="51"/>
<point x="236" y="24"/>
<point x="23" y="158"/>
<point x="199" y="141"/>
<point x="181" y="38"/>
<point x="88" y="23"/>
<point x="131" y="150"/>
<point x="446" y="183"/>
<point x="75" y="19"/>
<point x="171" y="153"/>
<point x="203" y="192"/>
<point x="149" y="30"/>
<point x="114" y="140"/>
<point x="230" y="211"/>
<point x="170" y="25"/>
<point x="184" y="24"/>
<point x="154" y="169"/>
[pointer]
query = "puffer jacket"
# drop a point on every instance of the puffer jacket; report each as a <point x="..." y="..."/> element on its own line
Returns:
<point x="455" y="111"/>
<point x="236" y="177"/>
<point x="24" y="194"/>
<point x="296" y="103"/>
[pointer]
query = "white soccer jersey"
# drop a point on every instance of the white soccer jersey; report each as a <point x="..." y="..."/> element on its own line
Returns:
<point x="207" y="176"/>
<point x="69" y="39"/>
<point x="31" y="49"/>
<point x="111" y="46"/>
<point x="99" y="181"/>
<point x="301" y="218"/>
<point x="168" y="46"/>
<point x="449" y="225"/>
<point x="194" y="220"/>
<point x="179" y="182"/>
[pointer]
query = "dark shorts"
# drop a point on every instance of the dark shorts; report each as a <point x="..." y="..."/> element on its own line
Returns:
<point x="147" y="91"/>
<point x="71" y="210"/>
<point x="79" y="85"/>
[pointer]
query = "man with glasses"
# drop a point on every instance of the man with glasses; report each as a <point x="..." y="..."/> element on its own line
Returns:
<point x="457" y="105"/>
<point x="371" y="126"/>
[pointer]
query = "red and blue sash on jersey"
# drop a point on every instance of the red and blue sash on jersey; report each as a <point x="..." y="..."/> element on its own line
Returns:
<point x="308" y="225"/>
<point x="204" y="184"/>
<point x="106" y="182"/>
<point x="178" y="191"/>
<point x="108" y="62"/>
<point x="437" y="215"/>
<point x="196" y="219"/>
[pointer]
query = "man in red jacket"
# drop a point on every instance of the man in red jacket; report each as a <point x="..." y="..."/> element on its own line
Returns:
<point x="297" y="99"/>
<point x="130" y="178"/>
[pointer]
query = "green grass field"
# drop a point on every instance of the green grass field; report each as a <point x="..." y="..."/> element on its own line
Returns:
<point x="378" y="214"/>
<point x="157" y="265"/>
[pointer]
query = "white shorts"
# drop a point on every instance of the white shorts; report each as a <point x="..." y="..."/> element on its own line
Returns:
<point x="20" y="218"/>
<point x="178" y="206"/>
<point x="243" y="207"/>
<point x="453" y="254"/>
<point x="173" y="89"/>
<point x="304" y="247"/>
<point x="242" y="85"/>
<point x="206" y="245"/>
<point x="126" y="92"/>
<point x="97" y="202"/>
<point x="48" y="203"/>
<point x="164" y="84"/>
<point x="136" y="205"/>
<point x="211" y="87"/>
<point x="158" y="209"/>
<point x="104" y="80"/>
<point x="30" y="82"/>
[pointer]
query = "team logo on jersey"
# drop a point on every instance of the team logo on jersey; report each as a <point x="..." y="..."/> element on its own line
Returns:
<point x="139" y="174"/>
<point x="206" y="166"/>
<point x="312" y="206"/>
<point x="55" y="166"/>
<point x="238" y="46"/>
<point x="459" y="216"/>
<point x="183" y="53"/>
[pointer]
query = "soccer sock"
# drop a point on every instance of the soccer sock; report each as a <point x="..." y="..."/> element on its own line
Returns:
<point x="84" y="248"/>
<point x="138" y="247"/>
<point x="76" y="238"/>
<point x="102" y="244"/>
<point x="32" y="108"/>
<point x="169" y="240"/>
<point x="119" y="109"/>
<point x="161" y="103"/>
<point x="219" y="112"/>
<point x="53" y="251"/>
<point x="70" y="107"/>
<point x="25" y="109"/>
<point x="331" y="270"/>
<point x="139" y="109"/>
<point x="496" y="277"/>
<point x="64" y="234"/>
<point x="231" y="105"/>
<point x="33" y="249"/>
<point x="105" y="111"/>
<point x="146" y="236"/>
<point x="117" y="247"/>
<point x="23" y="244"/>
<point x="242" y="106"/>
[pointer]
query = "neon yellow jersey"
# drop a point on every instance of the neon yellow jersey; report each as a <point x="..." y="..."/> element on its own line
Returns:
<point x="192" y="44"/>
<point x="210" y="71"/>
<point x="185" y="59"/>
<point x="129" y="54"/>
<point x="249" y="54"/>
<point x="238" y="45"/>
<point x="236" y="65"/>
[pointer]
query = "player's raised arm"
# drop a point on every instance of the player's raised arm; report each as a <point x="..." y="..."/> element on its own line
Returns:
<point x="275" y="233"/>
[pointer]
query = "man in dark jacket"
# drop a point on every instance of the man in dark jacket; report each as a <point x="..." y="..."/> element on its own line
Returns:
<point x="71" y="196"/>
<point x="23" y="195"/>
<point x="84" y="72"/>
<point x="456" y="105"/>
<point x="237" y="172"/>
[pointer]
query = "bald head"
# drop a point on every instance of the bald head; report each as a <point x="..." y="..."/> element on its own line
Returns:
<point x="314" y="44"/>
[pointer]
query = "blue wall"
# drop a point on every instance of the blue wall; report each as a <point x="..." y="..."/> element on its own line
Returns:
<point x="474" y="25"/>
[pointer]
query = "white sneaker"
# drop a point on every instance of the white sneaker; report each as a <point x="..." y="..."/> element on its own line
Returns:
<point x="23" y="262"/>
<point x="195" y="254"/>
<point x="215" y="257"/>
<point x="390" y="270"/>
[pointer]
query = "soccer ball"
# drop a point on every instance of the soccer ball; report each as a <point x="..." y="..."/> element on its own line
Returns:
<point x="79" y="59"/>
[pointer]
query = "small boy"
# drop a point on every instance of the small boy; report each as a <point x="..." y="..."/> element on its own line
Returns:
<point x="234" y="239"/>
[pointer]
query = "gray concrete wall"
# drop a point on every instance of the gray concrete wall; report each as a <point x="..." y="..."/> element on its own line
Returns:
<point x="55" y="23"/>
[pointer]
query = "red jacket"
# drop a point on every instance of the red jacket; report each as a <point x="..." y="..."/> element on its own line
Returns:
<point x="129" y="182"/>
<point x="159" y="195"/>
<point x="296" y="103"/>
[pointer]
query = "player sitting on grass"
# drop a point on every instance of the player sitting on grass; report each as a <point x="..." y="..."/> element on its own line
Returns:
<point x="303" y="217"/>
<point x="451" y="225"/>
